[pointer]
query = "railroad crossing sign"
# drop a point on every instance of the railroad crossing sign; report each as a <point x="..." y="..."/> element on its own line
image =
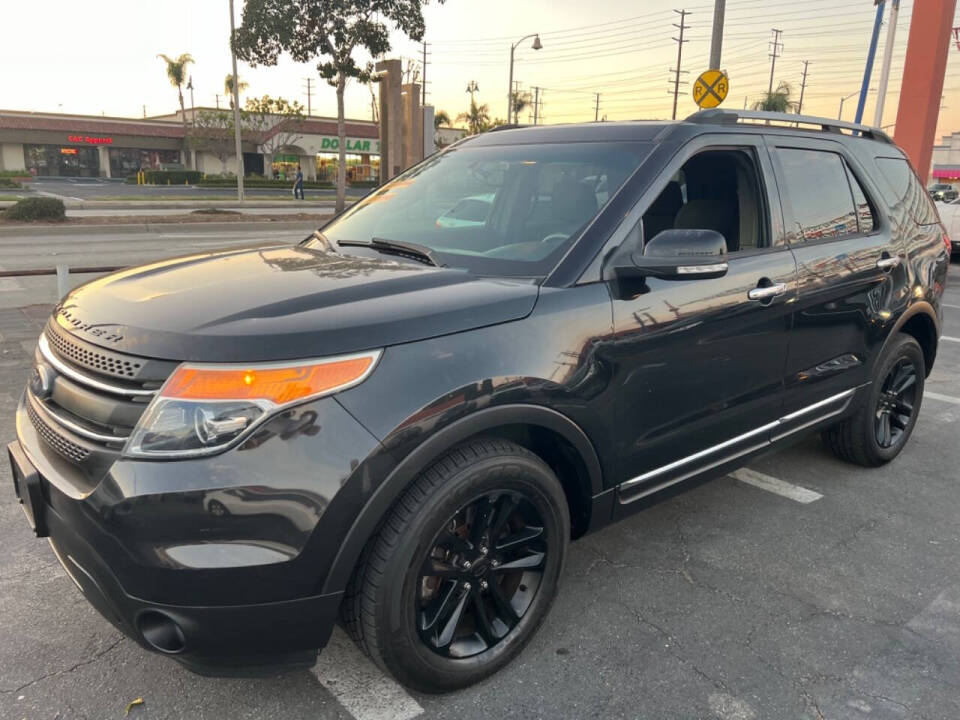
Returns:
<point x="711" y="88"/>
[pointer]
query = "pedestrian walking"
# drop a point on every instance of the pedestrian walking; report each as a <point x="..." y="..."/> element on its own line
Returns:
<point x="298" y="184"/>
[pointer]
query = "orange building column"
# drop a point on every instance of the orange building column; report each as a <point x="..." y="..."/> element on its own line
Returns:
<point x="922" y="85"/>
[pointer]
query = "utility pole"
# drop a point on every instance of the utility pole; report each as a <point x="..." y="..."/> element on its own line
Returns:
<point x="424" y="78"/>
<point x="309" y="95"/>
<point x="871" y="53"/>
<point x="218" y="101"/>
<point x="536" y="104"/>
<point x="887" y="58"/>
<point x="472" y="87"/>
<point x="596" y="109"/>
<point x="144" y="111"/>
<point x="803" y="86"/>
<point x="236" y="109"/>
<point x="774" y="54"/>
<point x="716" y="42"/>
<point x="676" y="71"/>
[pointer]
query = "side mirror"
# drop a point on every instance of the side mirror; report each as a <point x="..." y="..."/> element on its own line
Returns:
<point x="672" y="254"/>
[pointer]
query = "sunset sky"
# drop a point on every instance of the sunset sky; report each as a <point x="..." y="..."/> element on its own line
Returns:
<point x="101" y="58"/>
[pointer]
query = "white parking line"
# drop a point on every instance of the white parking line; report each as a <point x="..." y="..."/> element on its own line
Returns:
<point x="950" y="339"/>
<point x="775" y="485"/>
<point x="955" y="307"/>
<point x="942" y="398"/>
<point x="364" y="691"/>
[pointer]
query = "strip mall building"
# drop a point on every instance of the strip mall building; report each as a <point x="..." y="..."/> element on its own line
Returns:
<point x="55" y="145"/>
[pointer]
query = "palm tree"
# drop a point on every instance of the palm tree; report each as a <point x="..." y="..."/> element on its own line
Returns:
<point x="177" y="73"/>
<point x="778" y="100"/>
<point x="521" y="101"/>
<point x="441" y="119"/>
<point x="228" y="87"/>
<point x="477" y="118"/>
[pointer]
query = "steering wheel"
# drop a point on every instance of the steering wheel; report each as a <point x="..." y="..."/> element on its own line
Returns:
<point x="552" y="237"/>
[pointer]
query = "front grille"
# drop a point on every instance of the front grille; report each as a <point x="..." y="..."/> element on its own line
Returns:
<point x="100" y="361"/>
<point x="67" y="448"/>
<point x="88" y="399"/>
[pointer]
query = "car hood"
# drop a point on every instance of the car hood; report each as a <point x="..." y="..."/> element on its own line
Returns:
<point x="279" y="302"/>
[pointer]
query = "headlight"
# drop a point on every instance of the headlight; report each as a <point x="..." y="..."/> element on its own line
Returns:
<point x="202" y="409"/>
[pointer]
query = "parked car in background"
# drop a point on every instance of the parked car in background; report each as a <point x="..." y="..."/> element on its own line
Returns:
<point x="943" y="192"/>
<point x="950" y="215"/>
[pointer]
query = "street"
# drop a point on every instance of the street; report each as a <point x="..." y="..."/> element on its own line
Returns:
<point x="802" y="588"/>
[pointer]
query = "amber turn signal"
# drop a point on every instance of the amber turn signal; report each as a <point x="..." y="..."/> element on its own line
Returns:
<point x="278" y="385"/>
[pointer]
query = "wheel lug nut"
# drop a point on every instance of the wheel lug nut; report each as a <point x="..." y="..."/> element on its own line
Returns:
<point x="494" y="563"/>
<point x="467" y="564"/>
<point x="483" y="585"/>
<point x="467" y="587"/>
<point x="483" y="550"/>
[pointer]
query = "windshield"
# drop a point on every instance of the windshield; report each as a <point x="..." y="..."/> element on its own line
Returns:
<point x="508" y="210"/>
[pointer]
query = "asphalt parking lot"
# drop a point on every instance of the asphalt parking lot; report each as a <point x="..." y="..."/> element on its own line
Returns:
<point x="731" y="601"/>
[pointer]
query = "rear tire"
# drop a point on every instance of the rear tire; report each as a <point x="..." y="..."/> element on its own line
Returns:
<point x="463" y="569"/>
<point x="880" y="428"/>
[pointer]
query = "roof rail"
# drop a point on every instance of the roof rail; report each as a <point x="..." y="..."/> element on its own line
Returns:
<point x="506" y="126"/>
<point x="723" y="117"/>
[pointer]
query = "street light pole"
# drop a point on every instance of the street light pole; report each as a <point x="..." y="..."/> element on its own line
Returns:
<point x="536" y="46"/>
<point x="887" y="57"/>
<point x="236" y="109"/>
<point x="843" y="100"/>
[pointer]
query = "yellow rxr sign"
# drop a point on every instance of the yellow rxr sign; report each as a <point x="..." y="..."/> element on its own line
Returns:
<point x="711" y="88"/>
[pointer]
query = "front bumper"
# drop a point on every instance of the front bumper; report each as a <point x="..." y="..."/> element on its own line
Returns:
<point x="217" y="563"/>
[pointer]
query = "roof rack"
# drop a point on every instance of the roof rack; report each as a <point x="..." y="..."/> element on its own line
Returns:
<point x="724" y="117"/>
<point x="506" y="126"/>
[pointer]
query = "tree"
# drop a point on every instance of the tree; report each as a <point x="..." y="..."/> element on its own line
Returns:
<point x="441" y="119"/>
<point x="477" y="118"/>
<point x="228" y="87"/>
<point x="778" y="100"/>
<point x="327" y="31"/>
<point x="177" y="74"/>
<point x="521" y="101"/>
<point x="277" y="122"/>
<point x="213" y="133"/>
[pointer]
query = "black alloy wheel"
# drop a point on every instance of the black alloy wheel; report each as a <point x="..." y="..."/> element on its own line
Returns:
<point x="464" y="567"/>
<point x="481" y="574"/>
<point x="895" y="403"/>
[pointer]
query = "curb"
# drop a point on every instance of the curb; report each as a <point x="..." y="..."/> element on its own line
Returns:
<point x="154" y="228"/>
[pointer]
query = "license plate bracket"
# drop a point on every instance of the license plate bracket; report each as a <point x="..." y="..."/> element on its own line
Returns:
<point x="26" y="485"/>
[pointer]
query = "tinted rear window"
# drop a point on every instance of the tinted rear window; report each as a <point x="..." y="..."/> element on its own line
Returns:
<point x="903" y="190"/>
<point x="818" y="191"/>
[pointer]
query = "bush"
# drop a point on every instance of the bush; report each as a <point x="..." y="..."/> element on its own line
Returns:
<point x="14" y="173"/>
<point x="40" y="208"/>
<point x="364" y="184"/>
<point x="6" y="182"/>
<point x="171" y="177"/>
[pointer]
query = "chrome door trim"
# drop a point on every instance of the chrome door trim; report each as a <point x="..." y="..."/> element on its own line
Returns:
<point x="740" y="438"/>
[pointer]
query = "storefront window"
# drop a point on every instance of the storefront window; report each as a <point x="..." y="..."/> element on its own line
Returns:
<point x="285" y="166"/>
<point x="126" y="161"/>
<point x="57" y="161"/>
<point x="360" y="168"/>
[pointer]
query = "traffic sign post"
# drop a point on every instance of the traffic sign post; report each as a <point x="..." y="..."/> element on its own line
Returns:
<point x="711" y="88"/>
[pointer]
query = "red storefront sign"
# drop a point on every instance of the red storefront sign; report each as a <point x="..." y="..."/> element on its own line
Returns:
<point x="87" y="140"/>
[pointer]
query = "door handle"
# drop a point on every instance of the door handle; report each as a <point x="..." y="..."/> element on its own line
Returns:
<point x="765" y="293"/>
<point x="888" y="263"/>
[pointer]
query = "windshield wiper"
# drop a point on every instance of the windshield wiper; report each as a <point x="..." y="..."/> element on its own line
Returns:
<point x="414" y="251"/>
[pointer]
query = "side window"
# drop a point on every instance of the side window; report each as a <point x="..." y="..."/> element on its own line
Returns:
<point x="904" y="192"/>
<point x="714" y="190"/>
<point x="817" y="190"/>
<point x="865" y="217"/>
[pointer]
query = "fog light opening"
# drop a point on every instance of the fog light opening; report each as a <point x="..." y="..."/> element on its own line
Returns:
<point x="161" y="632"/>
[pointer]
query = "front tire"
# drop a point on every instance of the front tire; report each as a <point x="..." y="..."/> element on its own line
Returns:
<point x="879" y="430"/>
<point x="463" y="569"/>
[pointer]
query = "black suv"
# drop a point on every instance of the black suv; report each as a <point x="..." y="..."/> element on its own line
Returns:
<point x="403" y="420"/>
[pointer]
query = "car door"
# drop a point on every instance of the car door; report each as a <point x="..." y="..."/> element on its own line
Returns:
<point x="849" y="269"/>
<point x="697" y="365"/>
